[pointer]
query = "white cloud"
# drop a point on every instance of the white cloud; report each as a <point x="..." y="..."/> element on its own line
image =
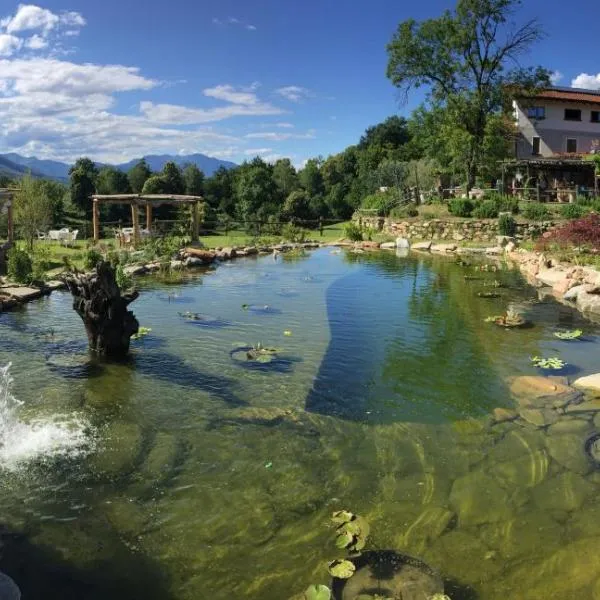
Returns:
<point x="556" y="77"/>
<point x="284" y="125"/>
<point x="235" y="22"/>
<point x="294" y="93"/>
<point x="229" y="94"/>
<point x="588" y="82"/>
<point x="277" y="136"/>
<point x="36" y="42"/>
<point x="72" y="19"/>
<point x="9" y="44"/>
<point x="257" y="151"/>
<point x="72" y="32"/>
<point x="30" y="17"/>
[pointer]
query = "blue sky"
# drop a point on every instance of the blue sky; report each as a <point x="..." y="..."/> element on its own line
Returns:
<point x="232" y="79"/>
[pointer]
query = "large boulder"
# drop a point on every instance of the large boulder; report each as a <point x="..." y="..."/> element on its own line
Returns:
<point x="206" y="256"/>
<point x="590" y="382"/>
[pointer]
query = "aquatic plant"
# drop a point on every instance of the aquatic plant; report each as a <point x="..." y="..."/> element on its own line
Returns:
<point x="553" y="363"/>
<point x="573" y="334"/>
<point x="510" y="318"/>
<point x="317" y="592"/>
<point x="340" y="568"/>
<point x="488" y="294"/>
<point x="352" y="531"/>
<point x="142" y="332"/>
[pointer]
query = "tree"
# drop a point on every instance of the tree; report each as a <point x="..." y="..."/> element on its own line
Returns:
<point x="285" y="177"/>
<point x="111" y="180"/>
<point x="311" y="178"/>
<point x="83" y="176"/>
<point x="256" y="192"/>
<point x="137" y="175"/>
<point x="193" y="179"/>
<point x="392" y="133"/>
<point x="32" y="209"/>
<point x="218" y="191"/>
<point x="55" y="192"/>
<point x="463" y="57"/>
<point x="154" y="185"/>
<point x="297" y="206"/>
<point x="173" y="179"/>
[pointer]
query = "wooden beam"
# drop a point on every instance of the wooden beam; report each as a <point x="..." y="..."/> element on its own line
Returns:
<point x="149" y="217"/>
<point x="11" y="227"/>
<point x="96" y="220"/>
<point x="135" y="218"/>
<point x="195" y="223"/>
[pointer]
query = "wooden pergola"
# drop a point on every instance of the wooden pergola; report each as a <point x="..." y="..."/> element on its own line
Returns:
<point x="6" y="200"/>
<point x="148" y="202"/>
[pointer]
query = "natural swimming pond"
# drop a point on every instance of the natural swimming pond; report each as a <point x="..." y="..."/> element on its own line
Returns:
<point x="187" y="474"/>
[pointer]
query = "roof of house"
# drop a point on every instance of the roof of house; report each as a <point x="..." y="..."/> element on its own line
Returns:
<point x="569" y="95"/>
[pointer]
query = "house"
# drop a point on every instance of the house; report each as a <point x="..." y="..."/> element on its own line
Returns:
<point x="558" y="121"/>
<point x="558" y="129"/>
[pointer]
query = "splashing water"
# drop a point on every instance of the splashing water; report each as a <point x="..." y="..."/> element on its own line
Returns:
<point x="51" y="437"/>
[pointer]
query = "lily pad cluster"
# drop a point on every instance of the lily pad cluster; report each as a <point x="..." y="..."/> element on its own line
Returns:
<point x="261" y="354"/>
<point x="317" y="592"/>
<point x="573" y="334"/>
<point x="509" y="319"/>
<point x="142" y="332"/>
<point x="352" y="531"/>
<point x="552" y="363"/>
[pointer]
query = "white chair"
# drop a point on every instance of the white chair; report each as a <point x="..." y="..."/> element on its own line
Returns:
<point x="41" y="235"/>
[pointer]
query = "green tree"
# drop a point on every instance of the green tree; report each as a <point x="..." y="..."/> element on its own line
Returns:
<point x="111" y="180"/>
<point x="462" y="57"/>
<point x="285" y="176"/>
<point x="218" y="191"/>
<point x="193" y="179"/>
<point x="154" y="185"/>
<point x="173" y="179"/>
<point x="82" y="177"/>
<point x="55" y="192"/>
<point x="298" y="206"/>
<point x="137" y="175"/>
<point x="311" y="178"/>
<point x="32" y="209"/>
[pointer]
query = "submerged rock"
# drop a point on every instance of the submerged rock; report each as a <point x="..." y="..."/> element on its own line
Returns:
<point x="428" y="526"/>
<point x="119" y="451"/>
<point x="539" y="417"/>
<point x="501" y="415"/>
<point x="528" y="471"/>
<point x="567" y="450"/>
<point x="565" y="492"/>
<point x="570" y="426"/>
<point x="535" y="386"/>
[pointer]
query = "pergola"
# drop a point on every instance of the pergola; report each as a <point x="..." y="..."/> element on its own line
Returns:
<point x="6" y="199"/>
<point x="148" y="202"/>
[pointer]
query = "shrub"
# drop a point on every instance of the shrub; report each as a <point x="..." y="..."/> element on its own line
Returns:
<point x="535" y="211"/>
<point x="91" y="259"/>
<point x="584" y="232"/>
<point x="573" y="211"/>
<point x="293" y="233"/>
<point x="124" y="281"/>
<point x="507" y="225"/>
<point x="412" y="211"/>
<point x="488" y="209"/>
<point x="461" y="207"/>
<point x="20" y="266"/>
<point x="353" y="232"/>
<point x="41" y="263"/>
<point x="380" y="202"/>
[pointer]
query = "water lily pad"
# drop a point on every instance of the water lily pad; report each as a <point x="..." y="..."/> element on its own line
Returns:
<point x="342" y="516"/>
<point x="317" y="592"/>
<point x="142" y="332"/>
<point x="552" y="363"/>
<point x="344" y="539"/>
<point x="342" y="569"/>
<point x="574" y="334"/>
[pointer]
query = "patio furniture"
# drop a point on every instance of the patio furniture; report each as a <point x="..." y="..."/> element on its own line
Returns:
<point x="41" y="235"/>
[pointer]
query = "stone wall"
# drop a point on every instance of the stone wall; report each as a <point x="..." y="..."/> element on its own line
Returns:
<point x="457" y="230"/>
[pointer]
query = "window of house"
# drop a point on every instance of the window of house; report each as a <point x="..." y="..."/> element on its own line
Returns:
<point x="595" y="116"/>
<point x="572" y="114"/>
<point x="536" y="112"/>
<point x="571" y="145"/>
<point x="535" y="145"/>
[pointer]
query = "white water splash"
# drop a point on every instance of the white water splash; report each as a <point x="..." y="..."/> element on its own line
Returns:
<point x="22" y="442"/>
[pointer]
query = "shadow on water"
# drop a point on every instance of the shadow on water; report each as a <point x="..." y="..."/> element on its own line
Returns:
<point x="416" y="327"/>
<point x="42" y="574"/>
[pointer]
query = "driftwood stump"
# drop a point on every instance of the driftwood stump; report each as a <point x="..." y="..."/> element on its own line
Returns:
<point x="97" y="299"/>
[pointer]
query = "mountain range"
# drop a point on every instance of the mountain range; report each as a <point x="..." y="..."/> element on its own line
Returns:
<point x="15" y="165"/>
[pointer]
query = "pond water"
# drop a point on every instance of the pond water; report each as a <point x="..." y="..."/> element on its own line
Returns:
<point x="185" y="474"/>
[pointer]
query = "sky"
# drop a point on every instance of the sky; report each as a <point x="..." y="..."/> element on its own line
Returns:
<point x="115" y="80"/>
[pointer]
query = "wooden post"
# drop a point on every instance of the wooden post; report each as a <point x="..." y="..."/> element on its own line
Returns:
<point x="195" y="223"/>
<point x="148" y="217"/>
<point x="11" y="228"/>
<point x="96" y="220"/>
<point x="135" y="219"/>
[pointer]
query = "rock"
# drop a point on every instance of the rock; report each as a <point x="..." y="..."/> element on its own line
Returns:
<point x="118" y="452"/>
<point x="176" y="264"/>
<point x="22" y="293"/>
<point x="250" y="251"/>
<point x="206" y="256"/>
<point x="55" y="285"/>
<point x="517" y="443"/>
<point x="494" y="251"/>
<point x="590" y="382"/>
<point x="597" y="420"/>
<point x="135" y="270"/>
<point x="477" y="498"/>
<point x="539" y="417"/>
<point x="569" y="426"/>
<point x="567" y="450"/>
<point x="443" y="248"/>
<point x="565" y="492"/>
<point x="388" y="246"/>
<point x="8" y="588"/>
<point x="161" y="459"/>
<point x="192" y="261"/>
<point x="591" y="406"/>
<point x="588" y="302"/>
<point x="527" y="471"/>
<point x="428" y="526"/>
<point x="402" y="243"/>
<point x="510" y="247"/>
<point x="501" y="415"/>
<point x="421" y="246"/>
<point x="535" y="386"/>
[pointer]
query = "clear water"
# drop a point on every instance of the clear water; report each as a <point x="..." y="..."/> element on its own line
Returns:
<point x="184" y="475"/>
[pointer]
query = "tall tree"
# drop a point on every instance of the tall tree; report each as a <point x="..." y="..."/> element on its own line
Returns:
<point x="137" y="175"/>
<point x="111" y="180"/>
<point x="285" y="176"/>
<point x="32" y="208"/>
<point x="463" y="57"/>
<point x="82" y="177"/>
<point x="311" y="178"/>
<point x="218" y="191"/>
<point x="173" y="179"/>
<point x="256" y="192"/>
<point x="193" y="179"/>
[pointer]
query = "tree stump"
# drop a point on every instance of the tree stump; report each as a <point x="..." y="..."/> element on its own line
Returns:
<point x="97" y="299"/>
